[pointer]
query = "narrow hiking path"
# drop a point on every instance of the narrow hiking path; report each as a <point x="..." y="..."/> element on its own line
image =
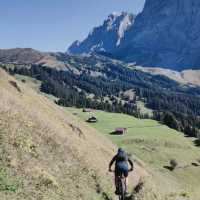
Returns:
<point x="134" y="179"/>
<point x="137" y="175"/>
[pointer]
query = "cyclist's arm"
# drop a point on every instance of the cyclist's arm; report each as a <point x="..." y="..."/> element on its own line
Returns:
<point x="131" y="164"/>
<point x="111" y="162"/>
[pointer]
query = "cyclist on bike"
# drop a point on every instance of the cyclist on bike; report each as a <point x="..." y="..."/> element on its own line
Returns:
<point x="121" y="165"/>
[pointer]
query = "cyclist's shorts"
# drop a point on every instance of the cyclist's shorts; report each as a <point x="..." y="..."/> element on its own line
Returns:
<point x="121" y="168"/>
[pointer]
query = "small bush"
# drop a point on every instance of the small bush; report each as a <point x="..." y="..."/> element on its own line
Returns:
<point x="184" y="194"/>
<point x="47" y="180"/>
<point x="173" y="164"/>
<point x="139" y="186"/>
<point x="26" y="144"/>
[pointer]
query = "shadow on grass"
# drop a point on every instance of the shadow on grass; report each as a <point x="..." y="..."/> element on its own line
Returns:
<point x="169" y="168"/>
<point x="195" y="164"/>
<point x="130" y="197"/>
<point x="136" y="190"/>
<point x="114" y="133"/>
<point x="197" y="143"/>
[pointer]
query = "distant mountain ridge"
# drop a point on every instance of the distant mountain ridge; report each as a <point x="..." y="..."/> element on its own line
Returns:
<point x="106" y="37"/>
<point x="165" y="34"/>
<point x="64" y="61"/>
<point x="20" y="55"/>
<point x="26" y="56"/>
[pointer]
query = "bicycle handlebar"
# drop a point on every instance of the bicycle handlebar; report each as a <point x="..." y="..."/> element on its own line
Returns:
<point x="130" y="170"/>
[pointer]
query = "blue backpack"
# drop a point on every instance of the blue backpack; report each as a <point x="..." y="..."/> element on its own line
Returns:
<point x="122" y="156"/>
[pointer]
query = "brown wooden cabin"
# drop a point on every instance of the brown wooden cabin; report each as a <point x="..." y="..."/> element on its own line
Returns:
<point x="120" y="131"/>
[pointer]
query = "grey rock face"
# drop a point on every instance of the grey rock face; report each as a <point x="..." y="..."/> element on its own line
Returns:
<point x="106" y="37"/>
<point x="165" y="34"/>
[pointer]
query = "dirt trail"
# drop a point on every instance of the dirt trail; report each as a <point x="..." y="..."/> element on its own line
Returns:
<point x="137" y="174"/>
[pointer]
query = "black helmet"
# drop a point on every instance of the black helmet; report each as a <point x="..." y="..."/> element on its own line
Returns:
<point x="120" y="150"/>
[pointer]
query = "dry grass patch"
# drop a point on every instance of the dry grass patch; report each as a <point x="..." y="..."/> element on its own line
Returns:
<point x="54" y="155"/>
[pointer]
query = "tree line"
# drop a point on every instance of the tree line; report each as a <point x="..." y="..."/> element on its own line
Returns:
<point x="175" y="105"/>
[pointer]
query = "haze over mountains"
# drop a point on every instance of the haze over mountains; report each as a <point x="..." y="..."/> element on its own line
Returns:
<point x="165" y="34"/>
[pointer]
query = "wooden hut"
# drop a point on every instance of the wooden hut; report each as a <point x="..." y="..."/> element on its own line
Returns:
<point x="120" y="131"/>
<point x="86" y="110"/>
<point x="92" y="119"/>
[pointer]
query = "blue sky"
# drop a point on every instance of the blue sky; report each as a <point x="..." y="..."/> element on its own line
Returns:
<point x="52" y="25"/>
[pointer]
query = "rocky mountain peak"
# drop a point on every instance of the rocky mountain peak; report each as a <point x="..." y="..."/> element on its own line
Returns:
<point x="165" y="34"/>
<point x="105" y="37"/>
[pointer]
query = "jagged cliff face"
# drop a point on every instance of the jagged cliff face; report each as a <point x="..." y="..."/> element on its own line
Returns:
<point x="106" y="37"/>
<point x="165" y="34"/>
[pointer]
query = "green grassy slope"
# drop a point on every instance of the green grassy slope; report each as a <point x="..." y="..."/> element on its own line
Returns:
<point x="34" y="84"/>
<point x="31" y="82"/>
<point x="155" y="145"/>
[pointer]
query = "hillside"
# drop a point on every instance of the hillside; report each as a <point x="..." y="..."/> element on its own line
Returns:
<point x="98" y="82"/>
<point x="63" y="61"/>
<point x="185" y="77"/>
<point x="154" y="145"/>
<point x="45" y="152"/>
<point x="47" y="149"/>
<point x="20" y="55"/>
<point x="28" y="56"/>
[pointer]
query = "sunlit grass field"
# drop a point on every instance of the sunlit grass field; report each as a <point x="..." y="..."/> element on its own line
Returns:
<point x="155" y="145"/>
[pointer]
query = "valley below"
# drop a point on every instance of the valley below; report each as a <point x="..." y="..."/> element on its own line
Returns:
<point x="54" y="152"/>
<point x="152" y="145"/>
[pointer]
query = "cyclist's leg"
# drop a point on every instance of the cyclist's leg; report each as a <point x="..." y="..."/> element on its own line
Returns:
<point x="117" y="173"/>
<point x="125" y="174"/>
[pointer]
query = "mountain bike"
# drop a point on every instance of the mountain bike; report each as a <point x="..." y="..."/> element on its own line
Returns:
<point x="121" y="185"/>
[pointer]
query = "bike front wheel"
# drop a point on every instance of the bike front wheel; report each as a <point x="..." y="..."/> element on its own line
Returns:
<point x="122" y="189"/>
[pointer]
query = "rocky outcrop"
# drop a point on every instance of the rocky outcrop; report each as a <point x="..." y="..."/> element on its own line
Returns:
<point x="165" y="34"/>
<point x="106" y="37"/>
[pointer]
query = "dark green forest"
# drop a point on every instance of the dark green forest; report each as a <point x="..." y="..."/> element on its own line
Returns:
<point x="175" y="105"/>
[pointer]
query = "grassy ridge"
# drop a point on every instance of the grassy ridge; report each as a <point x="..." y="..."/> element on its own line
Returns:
<point x="45" y="153"/>
<point x="155" y="145"/>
